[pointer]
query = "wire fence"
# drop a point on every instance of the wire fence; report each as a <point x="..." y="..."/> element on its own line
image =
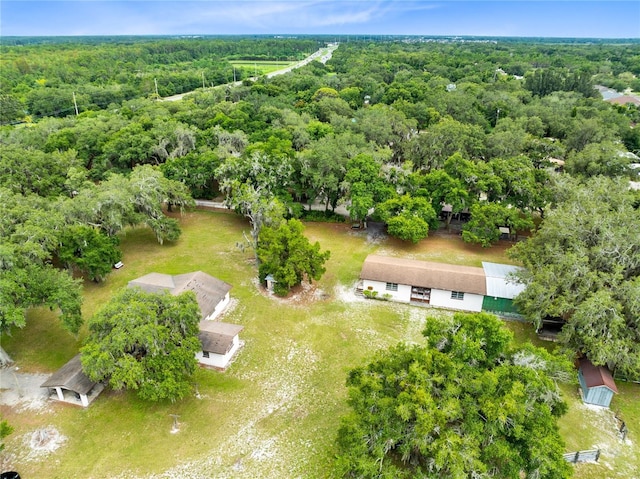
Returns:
<point x="591" y="455"/>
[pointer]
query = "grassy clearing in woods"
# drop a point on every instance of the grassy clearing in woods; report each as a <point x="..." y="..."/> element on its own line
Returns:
<point x="275" y="412"/>
<point x="261" y="67"/>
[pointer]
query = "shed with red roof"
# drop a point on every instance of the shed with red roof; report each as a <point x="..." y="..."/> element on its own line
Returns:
<point x="598" y="386"/>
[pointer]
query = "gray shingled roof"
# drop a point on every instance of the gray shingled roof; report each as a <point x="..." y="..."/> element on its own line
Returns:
<point x="607" y="93"/>
<point x="71" y="377"/>
<point x="217" y="337"/>
<point x="425" y="274"/>
<point x="209" y="291"/>
<point x="153" y="283"/>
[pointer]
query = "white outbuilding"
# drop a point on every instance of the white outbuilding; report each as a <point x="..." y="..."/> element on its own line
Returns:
<point x="467" y="288"/>
<point x="70" y="385"/>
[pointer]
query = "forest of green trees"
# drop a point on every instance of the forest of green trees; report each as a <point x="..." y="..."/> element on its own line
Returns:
<point x="393" y="130"/>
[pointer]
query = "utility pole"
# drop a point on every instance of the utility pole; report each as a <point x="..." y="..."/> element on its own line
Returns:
<point x="203" y="81"/>
<point x="234" y="74"/>
<point x="75" y="103"/>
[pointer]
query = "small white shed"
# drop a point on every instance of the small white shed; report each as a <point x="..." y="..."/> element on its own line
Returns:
<point x="270" y="281"/>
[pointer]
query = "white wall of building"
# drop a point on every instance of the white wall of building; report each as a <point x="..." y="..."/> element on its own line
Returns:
<point x="403" y="294"/>
<point x="439" y="298"/>
<point x="220" y="361"/>
<point x="219" y="307"/>
<point x="442" y="299"/>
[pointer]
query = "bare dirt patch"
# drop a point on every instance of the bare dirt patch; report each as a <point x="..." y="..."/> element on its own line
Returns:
<point x="249" y="446"/>
<point x="22" y="390"/>
<point x="302" y="295"/>
<point x="36" y="445"/>
<point x="347" y="294"/>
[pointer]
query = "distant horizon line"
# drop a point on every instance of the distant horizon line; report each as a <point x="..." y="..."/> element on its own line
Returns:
<point x="294" y="35"/>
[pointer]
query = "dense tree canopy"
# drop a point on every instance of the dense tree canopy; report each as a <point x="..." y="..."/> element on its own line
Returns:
<point x="144" y="342"/>
<point x="90" y="251"/>
<point x="383" y="127"/>
<point x="487" y="219"/>
<point x="75" y="228"/>
<point x="583" y="266"/>
<point x="408" y="218"/>
<point x="465" y="404"/>
<point x="103" y="70"/>
<point x="29" y="232"/>
<point x="23" y="287"/>
<point x="286" y="254"/>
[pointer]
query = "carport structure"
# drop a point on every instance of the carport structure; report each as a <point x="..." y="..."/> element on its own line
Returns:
<point x="71" y="385"/>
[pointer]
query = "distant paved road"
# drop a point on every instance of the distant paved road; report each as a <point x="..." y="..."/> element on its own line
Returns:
<point x="323" y="55"/>
<point x="317" y="206"/>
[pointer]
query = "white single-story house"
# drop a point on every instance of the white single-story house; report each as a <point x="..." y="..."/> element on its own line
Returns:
<point x="212" y="294"/>
<point x="220" y="342"/>
<point x="442" y="285"/>
<point x="71" y="385"/>
<point x="596" y="383"/>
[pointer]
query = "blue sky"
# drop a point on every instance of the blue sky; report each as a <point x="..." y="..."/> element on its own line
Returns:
<point x="543" y="18"/>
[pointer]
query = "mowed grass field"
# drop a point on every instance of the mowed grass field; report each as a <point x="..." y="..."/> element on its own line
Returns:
<point x="275" y="412"/>
<point x="261" y="67"/>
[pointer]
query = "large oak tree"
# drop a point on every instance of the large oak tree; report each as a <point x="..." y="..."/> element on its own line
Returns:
<point x="286" y="254"/>
<point x="583" y="265"/>
<point x="465" y="404"/>
<point x="145" y="342"/>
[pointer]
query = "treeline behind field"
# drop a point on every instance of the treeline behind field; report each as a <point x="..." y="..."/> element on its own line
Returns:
<point x="39" y="76"/>
<point x="41" y="79"/>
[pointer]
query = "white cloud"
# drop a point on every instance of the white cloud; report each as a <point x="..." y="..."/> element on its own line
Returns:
<point x="280" y="16"/>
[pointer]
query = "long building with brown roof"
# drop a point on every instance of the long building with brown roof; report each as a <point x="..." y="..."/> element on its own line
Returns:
<point x="442" y="285"/>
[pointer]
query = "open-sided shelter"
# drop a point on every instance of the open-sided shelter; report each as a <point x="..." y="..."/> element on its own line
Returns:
<point x="71" y="385"/>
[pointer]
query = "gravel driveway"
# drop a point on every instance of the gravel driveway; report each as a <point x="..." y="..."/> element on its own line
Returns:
<point x="22" y="389"/>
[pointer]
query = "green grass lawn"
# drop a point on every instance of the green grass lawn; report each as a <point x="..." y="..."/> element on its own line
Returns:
<point x="590" y="427"/>
<point x="275" y="411"/>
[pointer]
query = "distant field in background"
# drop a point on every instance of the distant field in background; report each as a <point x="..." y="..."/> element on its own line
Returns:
<point x="275" y="412"/>
<point x="261" y="67"/>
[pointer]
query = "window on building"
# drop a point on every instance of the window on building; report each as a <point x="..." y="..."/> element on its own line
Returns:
<point x="205" y="354"/>
<point x="457" y="295"/>
<point x="392" y="287"/>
